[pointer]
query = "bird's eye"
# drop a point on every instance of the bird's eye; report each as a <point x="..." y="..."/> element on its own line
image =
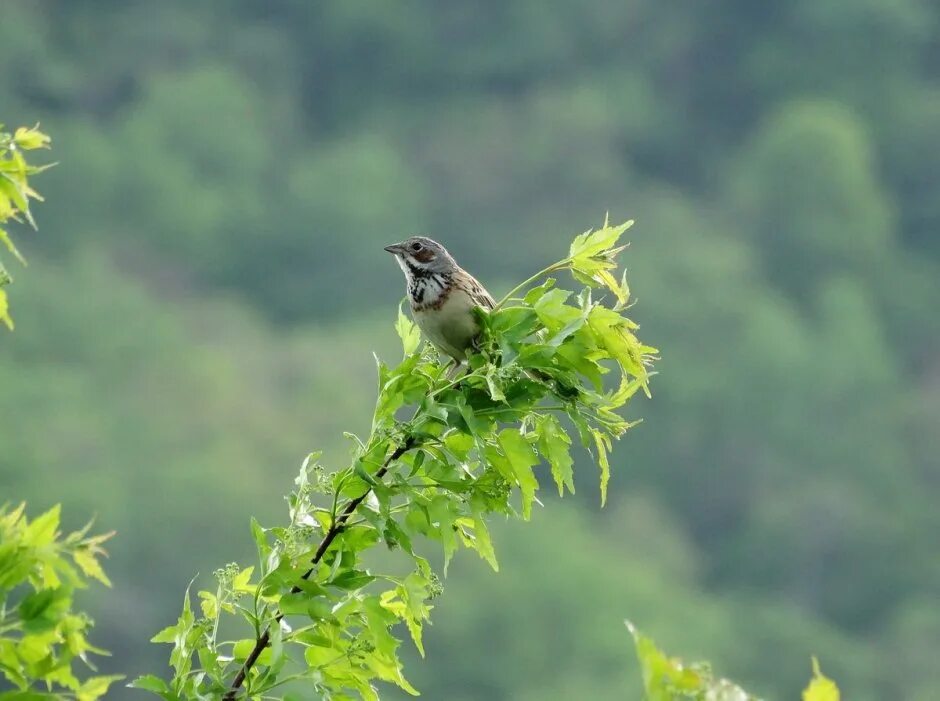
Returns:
<point x="416" y="247"/>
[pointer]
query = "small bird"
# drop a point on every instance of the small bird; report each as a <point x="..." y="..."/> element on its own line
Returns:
<point x="442" y="295"/>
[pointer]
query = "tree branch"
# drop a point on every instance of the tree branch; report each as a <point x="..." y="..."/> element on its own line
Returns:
<point x="262" y="642"/>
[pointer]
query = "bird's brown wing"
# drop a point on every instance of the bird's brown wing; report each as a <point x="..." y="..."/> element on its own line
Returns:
<point x="479" y="294"/>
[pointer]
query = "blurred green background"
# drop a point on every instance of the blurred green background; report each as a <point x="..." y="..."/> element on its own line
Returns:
<point x="208" y="285"/>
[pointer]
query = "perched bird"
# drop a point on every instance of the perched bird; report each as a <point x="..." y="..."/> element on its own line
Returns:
<point x="442" y="295"/>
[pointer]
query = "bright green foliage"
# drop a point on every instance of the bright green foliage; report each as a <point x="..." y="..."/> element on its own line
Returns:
<point x="311" y="610"/>
<point x="15" y="194"/>
<point x="669" y="679"/>
<point x="40" y="634"/>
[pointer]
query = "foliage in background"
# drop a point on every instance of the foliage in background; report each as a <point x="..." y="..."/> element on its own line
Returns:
<point x="312" y="610"/>
<point x="41" y="635"/>
<point x="15" y="194"/>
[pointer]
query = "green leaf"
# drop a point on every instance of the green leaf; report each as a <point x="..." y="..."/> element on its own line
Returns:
<point x="209" y="604"/>
<point x="661" y="676"/>
<point x="668" y="679"/>
<point x="181" y="656"/>
<point x="481" y="536"/>
<point x="314" y="606"/>
<point x="8" y="242"/>
<point x="408" y="332"/>
<point x="407" y="602"/>
<point x="95" y="687"/>
<point x="352" y="579"/>
<point x="29" y="139"/>
<point x="592" y="243"/>
<point x="5" y="317"/>
<point x="592" y="259"/>
<point x="513" y="324"/>
<point x="582" y="358"/>
<point x="44" y="605"/>
<point x="276" y="659"/>
<point x="18" y="193"/>
<point x="150" y="682"/>
<point x="614" y="335"/>
<point x="42" y="530"/>
<point x="167" y="635"/>
<point x="821" y="688"/>
<point x="261" y="540"/>
<point x="553" y="312"/>
<point x="492" y="384"/>
<point x="603" y="446"/>
<point x="522" y="459"/>
<point x="444" y="512"/>
<point x="242" y="648"/>
<point x="533" y="295"/>
<point x="242" y="581"/>
<point x="626" y="390"/>
<point x="555" y="445"/>
<point x="89" y="564"/>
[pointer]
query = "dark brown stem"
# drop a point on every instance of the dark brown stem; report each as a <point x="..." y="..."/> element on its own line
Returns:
<point x="262" y="642"/>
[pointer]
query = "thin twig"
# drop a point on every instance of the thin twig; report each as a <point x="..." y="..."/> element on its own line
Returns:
<point x="335" y="529"/>
<point x="521" y="286"/>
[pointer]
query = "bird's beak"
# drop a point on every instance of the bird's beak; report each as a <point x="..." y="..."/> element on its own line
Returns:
<point x="395" y="248"/>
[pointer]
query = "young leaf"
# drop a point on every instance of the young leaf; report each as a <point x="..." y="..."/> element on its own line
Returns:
<point x="150" y="682"/>
<point x="668" y="679"/>
<point x="8" y="242"/>
<point x="820" y="688"/>
<point x="522" y="459"/>
<point x="89" y="564"/>
<point x="492" y="384"/>
<point x="408" y="332"/>
<point x="95" y="687"/>
<point x="603" y="446"/>
<point x="30" y="139"/>
<point x="5" y="317"/>
<point x="595" y="242"/>
<point x="555" y="445"/>
<point x="481" y="540"/>
<point x="42" y="530"/>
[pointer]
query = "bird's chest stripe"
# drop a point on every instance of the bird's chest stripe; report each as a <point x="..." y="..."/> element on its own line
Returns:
<point x="413" y="271"/>
<point x="428" y="291"/>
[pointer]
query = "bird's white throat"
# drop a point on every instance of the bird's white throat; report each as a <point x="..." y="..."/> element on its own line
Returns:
<point x="424" y="286"/>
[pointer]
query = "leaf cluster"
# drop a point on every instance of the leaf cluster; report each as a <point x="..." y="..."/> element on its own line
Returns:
<point x="445" y="452"/>
<point x="15" y="194"/>
<point x="40" y="633"/>
<point x="669" y="679"/>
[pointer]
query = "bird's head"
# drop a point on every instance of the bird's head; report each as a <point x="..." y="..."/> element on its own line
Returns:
<point x="420" y="255"/>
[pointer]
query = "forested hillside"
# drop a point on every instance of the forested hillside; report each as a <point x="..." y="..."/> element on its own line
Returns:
<point x="208" y="284"/>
